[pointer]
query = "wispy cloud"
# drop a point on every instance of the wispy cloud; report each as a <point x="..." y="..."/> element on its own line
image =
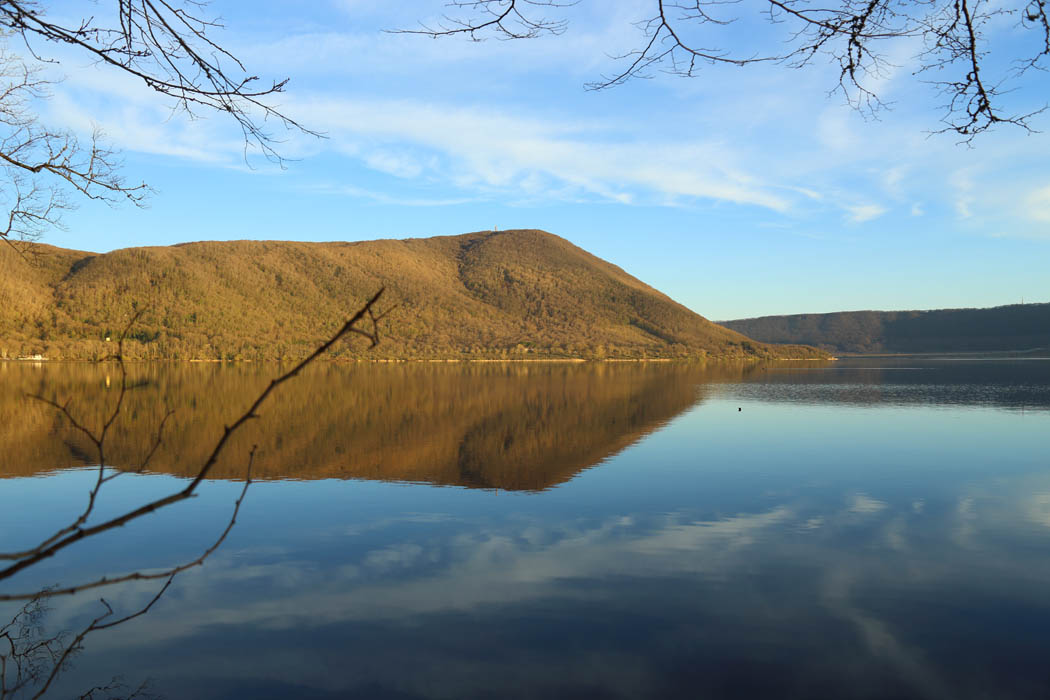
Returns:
<point x="1039" y="204"/>
<point x="861" y="213"/>
<point x="508" y="137"/>
<point x="893" y="180"/>
<point x="397" y="164"/>
<point x="488" y="149"/>
<point x="383" y="198"/>
<point x="134" y="119"/>
<point x="962" y="182"/>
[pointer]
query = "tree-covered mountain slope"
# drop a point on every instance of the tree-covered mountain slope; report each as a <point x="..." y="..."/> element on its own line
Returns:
<point x="508" y="294"/>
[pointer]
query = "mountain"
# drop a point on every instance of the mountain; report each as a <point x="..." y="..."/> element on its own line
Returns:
<point x="508" y="294"/>
<point x="1017" y="327"/>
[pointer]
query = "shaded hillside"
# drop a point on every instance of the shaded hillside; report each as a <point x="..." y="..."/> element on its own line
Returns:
<point x="1017" y="327"/>
<point x="513" y="294"/>
<point x="508" y="426"/>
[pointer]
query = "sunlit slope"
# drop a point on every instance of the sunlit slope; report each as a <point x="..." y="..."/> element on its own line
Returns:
<point x="513" y="294"/>
<point x="27" y="292"/>
<point x="564" y="292"/>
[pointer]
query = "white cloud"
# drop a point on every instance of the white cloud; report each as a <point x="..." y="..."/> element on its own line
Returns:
<point x="1039" y="204"/>
<point x="484" y="149"/>
<point x="512" y="135"/>
<point x="396" y="164"/>
<point x="132" y="129"/>
<point x="893" y="180"/>
<point x="962" y="182"/>
<point x="369" y="46"/>
<point x="834" y="131"/>
<point x="133" y="118"/>
<point x="860" y="213"/>
<point x="384" y="198"/>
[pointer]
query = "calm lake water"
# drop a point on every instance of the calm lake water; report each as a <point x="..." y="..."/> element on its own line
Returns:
<point x="869" y="528"/>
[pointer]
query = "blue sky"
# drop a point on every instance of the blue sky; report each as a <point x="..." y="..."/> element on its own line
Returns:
<point x="742" y="192"/>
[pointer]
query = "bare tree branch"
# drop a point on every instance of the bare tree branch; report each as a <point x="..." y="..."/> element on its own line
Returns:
<point x="97" y="439"/>
<point x="78" y="530"/>
<point x="26" y="654"/>
<point x="37" y="660"/>
<point x="168" y="45"/>
<point x="854" y="34"/>
<point x="502" y="17"/>
<point x="31" y="660"/>
<point x="40" y="164"/>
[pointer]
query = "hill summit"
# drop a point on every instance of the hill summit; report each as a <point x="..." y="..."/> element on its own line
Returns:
<point x="497" y="295"/>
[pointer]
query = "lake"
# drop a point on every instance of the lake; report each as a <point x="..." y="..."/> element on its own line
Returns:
<point x="867" y="528"/>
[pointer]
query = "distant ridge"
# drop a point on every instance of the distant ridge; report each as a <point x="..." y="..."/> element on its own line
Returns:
<point x="490" y="295"/>
<point x="1016" y="327"/>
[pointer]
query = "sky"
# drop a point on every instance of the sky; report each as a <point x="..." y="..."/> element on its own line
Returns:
<point x="740" y="192"/>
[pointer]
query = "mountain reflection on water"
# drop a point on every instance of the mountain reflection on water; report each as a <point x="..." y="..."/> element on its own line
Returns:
<point x="863" y="529"/>
<point x="520" y="426"/>
<point x="516" y="426"/>
<point x="950" y="381"/>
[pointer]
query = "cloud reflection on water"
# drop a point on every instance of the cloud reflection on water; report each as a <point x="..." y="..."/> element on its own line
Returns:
<point x="848" y="604"/>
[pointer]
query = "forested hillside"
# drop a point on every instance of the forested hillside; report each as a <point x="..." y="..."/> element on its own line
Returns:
<point x="511" y="294"/>
<point x="1018" y="327"/>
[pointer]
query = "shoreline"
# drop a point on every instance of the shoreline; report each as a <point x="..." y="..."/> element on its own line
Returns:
<point x="422" y="360"/>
